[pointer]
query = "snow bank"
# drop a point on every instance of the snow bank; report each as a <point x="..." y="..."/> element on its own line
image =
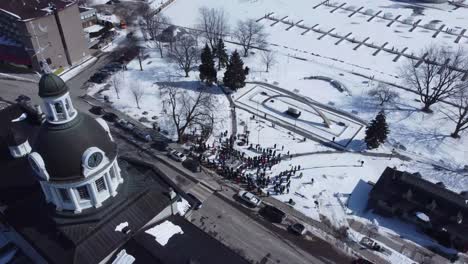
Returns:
<point x="183" y="206"/>
<point x="121" y="226"/>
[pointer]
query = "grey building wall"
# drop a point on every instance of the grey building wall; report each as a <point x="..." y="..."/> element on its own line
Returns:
<point x="41" y="36"/>
<point x="75" y="37"/>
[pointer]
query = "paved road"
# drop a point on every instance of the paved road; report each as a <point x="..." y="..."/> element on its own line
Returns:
<point x="246" y="236"/>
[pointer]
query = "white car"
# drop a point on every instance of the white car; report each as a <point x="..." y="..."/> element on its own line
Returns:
<point x="250" y="198"/>
<point x="177" y="156"/>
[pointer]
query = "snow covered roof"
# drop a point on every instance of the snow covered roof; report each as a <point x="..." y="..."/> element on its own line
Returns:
<point x="30" y="9"/>
<point x="177" y="248"/>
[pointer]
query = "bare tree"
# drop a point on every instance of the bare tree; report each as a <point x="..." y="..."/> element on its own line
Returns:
<point x="460" y="115"/>
<point x="268" y="58"/>
<point x="250" y="34"/>
<point x="384" y="94"/>
<point x="437" y="78"/>
<point x="185" y="53"/>
<point x="137" y="92"/>
<point x="155" y="23"/>
<point x="189" y="110"/>
<point x="213" y="23"/>
<point x="117" y="82"/>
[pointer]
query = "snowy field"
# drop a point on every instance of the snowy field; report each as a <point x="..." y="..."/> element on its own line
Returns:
<point x="409" y="127"/>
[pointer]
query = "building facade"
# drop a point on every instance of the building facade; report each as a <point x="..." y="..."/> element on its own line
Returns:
<point x="42" y="31"/>
<point x="437" y="210"/>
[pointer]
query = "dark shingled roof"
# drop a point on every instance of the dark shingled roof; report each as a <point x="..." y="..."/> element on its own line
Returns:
<point x="193" y="246"/>
<point x="16" y="176"/>
<point x="30" y="9"/>
<point x="51" y="85"/>
<point x="90" y="237"/>
<point x="62" y="146"/>
<point x="394" y="184"/>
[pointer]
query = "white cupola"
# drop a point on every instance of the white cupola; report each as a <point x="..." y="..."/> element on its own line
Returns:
<point x="56" y="98"/>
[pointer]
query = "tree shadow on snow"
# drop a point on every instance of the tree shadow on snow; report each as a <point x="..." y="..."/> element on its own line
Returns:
<point x="353" y="145"/>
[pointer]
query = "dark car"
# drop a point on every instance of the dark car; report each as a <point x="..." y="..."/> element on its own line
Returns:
<point x="160" y="145"/>
<point x="99" y="77"/>
<point x="192" y="164"/>
<point x="298" y="229"/>
<point x="273" y="214"/>
<point x="361" y="261"/>
<point x="194" y="201"/>
<point x="141" y="134"/>
<point x="110" y="117"/>
<point x="23" y="97"/>
<point x="97" y="110"/>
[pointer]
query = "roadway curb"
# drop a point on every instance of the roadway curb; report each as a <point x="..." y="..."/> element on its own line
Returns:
<point x="10" y="77"/>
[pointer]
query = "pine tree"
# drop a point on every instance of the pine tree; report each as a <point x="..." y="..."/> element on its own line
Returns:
<point x="377" y="131"/>
<point x="207" y="67"/>
<point x="221" y="54"/>
<point x="371" y="138"/>
<point x="234" y="77"/>
<point x="381" y="127"/>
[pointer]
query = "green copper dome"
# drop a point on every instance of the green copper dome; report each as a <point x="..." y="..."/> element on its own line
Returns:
<point x="51" y="85"/>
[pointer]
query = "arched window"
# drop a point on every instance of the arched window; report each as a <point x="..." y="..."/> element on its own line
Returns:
<point x="67" y="104"/>
<point x="58" y="108"/>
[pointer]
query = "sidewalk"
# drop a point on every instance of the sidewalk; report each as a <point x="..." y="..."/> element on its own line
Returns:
<point x="417" y="253"/>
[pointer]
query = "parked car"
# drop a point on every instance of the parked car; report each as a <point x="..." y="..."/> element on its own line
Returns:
<point x="110" y="117"/>
<point x="249" y="198"/>
<point x="192" y="164"/>
<point x="113" y="66"/>
<point x="371" y="244"/>
<point x="97" y="110"/>
<point x="125" y="124"/>
<point x="177" y="156"/>
<point x="194" y="201"/>
<point x="99" y="77"/>
<point x="141" y="134"/>
<point x="160" y="145"/>
<point x="272" y="213"/>
<point x="23" y="97"/>
<point x="297" y="228"/>
<point x="361" y="261"/>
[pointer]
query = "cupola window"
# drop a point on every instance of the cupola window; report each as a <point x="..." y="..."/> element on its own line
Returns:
<point x="64" y="195"/>
<point x="101" y="185"/>
<point x="83" y="192"/>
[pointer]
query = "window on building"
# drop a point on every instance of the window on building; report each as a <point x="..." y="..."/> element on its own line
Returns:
<point x="64" y="195"/>
<point x="83" y="192"/>
<point x="100" y="184"/>
<point x="67" y="104"/>
<point x="112" y="172"/>
<point x="58" y="108"/>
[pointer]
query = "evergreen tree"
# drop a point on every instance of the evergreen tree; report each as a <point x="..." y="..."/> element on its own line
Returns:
<point x="377" y="131"/>
<point x="221" y="54"/>
<point x="382" y="127"/>
<point x="234" y="77"/>
<point x="207" y="67"/>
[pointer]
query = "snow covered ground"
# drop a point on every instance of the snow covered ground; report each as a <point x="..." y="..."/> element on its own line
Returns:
<point x="157" y="71"/>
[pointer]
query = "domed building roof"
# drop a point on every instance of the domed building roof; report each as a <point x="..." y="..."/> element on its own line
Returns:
<point x="62" y="146"/>
<point x="51" y="85"/>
